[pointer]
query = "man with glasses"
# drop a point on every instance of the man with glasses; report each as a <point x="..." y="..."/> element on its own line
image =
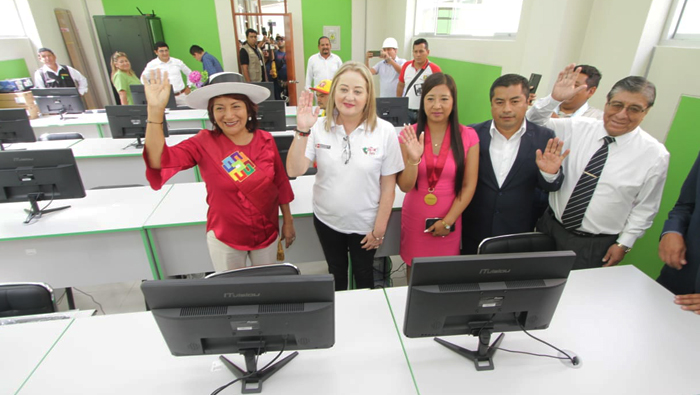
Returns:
<point x="615" y="173"/>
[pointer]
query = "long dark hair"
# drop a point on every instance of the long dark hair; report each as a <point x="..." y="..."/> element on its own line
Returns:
<point x="251" y="108"/>
<point x="456" y="143"/>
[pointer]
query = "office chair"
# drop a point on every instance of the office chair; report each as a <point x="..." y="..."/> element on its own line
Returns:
<point x="277" y="269"/>
<point x="61" y="136"/>
<point x="17" y="299"/>
<point x="519" y="242"/>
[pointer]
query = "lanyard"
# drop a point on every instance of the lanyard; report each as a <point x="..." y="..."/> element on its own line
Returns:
<point x="435" y="169"/>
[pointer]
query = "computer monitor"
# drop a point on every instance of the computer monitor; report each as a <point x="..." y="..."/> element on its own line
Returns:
<point x="129" y="122"/>
<point x="15" y="127"/>
<point x="37" y="175"/>
<point x="58" y="100"/>
<point x="271" y="116"/>
<point x="481" y="294"/>
<point x="283" y="143"/>
<point x="269" y="86"/>
<point x="246" y="315"/>
<point x="393" y="109"/>
<point x="138" y="95"/>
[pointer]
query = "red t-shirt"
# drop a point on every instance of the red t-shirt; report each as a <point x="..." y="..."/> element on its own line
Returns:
<point x="224" y="166"/>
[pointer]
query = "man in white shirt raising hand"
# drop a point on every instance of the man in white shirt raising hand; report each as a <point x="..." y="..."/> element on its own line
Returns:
<point x="173" y="66"/>
<point x="615" y="173"/>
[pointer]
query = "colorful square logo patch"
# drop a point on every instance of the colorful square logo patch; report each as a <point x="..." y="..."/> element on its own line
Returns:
<point x="238" y="166"/>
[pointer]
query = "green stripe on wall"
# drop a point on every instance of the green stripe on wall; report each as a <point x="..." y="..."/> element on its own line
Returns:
<point x="682" y="143"/>
<point x="473" y="84"/>
<point x="320" y="13"/>
<point x="15" y="68"/>
<point x="185" y="23"/>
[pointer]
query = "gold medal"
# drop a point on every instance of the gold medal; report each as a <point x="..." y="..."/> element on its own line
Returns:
<point x="430" y="199"/>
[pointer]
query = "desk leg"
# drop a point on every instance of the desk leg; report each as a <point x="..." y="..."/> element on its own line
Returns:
<point x="69" y="298"/>
<point x="152" y="254"/>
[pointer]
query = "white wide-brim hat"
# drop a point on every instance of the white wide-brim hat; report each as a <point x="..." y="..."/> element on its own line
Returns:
<point x="200" y="97"/>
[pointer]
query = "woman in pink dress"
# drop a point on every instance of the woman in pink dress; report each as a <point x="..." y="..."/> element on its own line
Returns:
<point x="442" y="166"/>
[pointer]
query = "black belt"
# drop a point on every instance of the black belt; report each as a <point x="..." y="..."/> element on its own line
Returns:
<point x="576" y="232"/>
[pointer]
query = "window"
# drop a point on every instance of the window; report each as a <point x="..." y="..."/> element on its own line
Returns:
<point x="479" y="18"/>
<point x="11" y="25"/>
<point x="688" y="26"/>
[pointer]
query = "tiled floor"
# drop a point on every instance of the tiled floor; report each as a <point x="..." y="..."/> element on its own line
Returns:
<point x="127" y="297"/>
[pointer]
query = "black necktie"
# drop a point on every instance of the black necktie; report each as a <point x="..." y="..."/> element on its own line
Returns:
<point x="583" y="192"/>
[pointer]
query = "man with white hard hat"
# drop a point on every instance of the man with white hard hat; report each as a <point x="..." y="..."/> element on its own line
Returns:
<point x="388" y="69"/>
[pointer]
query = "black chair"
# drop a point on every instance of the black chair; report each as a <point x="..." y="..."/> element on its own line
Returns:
<point x="17" y="299"/>
<point x="277" y="269"/>
<point x="173" y="132"/>
<point x="61" y="136"/>
<point x="519" y="242"/>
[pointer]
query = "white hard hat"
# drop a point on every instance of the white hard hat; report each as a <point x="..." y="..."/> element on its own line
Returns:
<point x="390" y="43"/>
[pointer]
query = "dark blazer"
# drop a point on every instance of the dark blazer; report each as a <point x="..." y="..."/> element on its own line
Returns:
<point x="511" y="208"/>
<point x="685" y="219"/>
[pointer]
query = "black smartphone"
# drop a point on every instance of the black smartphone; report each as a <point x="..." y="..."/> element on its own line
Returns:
<point x="430" y="221"/>
<point x="375" y="53"/>
<point x="534" y="82"/>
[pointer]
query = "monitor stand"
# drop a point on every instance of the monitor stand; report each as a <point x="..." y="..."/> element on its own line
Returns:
<point x="136" y="144"/>
<point x="251" y="378"/>
<point x="35" y="211"/>
<point x="483" y="357"/>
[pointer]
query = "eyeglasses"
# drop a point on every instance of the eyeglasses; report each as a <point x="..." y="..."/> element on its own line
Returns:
<point x="616" y="106"/>
<point x="347" y="152"/>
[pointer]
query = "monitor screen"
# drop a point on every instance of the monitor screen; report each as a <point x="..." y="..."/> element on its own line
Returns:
<point x="138" y="95"/>
<point x="269" y="86"/>
<point x="393" y="110"/>
<point x="271" y="116"/>
<point x="15" y="127"/>
<point x="481" y="294"/>
<point x="36" y="175"/>
<point x="129" y="122"/>
<point x="250" y="315"/>
<point x="58" y="100"/>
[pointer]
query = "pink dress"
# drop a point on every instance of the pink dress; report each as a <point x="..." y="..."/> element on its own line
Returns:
<point x="416" y="243"/>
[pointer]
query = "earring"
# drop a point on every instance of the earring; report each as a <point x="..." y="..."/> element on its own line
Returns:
<point x="250" y="118"/>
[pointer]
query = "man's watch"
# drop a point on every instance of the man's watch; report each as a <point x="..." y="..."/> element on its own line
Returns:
<point x="624" y="247"/>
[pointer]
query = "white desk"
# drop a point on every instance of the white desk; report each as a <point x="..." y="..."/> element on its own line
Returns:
<point x="112" y="162"/>
<point x="624" y="327"/>
<point x="178" y="235"/>
<point x="23" y="348"/>
<point x="125" y="353"/>
<point x="98" y="240"/>
<point x="40" y="145"/>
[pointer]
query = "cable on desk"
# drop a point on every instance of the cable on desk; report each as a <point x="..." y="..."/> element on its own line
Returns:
<point x="573" y="360"/>
<point x="93" y="299"/>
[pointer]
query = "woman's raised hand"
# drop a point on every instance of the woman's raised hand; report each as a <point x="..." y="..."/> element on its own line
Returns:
<point x="157" y="89"/>
<point x="306" y="114"/>
<point x="414" y="145"/>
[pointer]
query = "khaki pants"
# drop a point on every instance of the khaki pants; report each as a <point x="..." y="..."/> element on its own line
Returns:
<point x="227" y="258"/>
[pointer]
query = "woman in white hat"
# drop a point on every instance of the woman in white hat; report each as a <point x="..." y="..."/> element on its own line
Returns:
<point x="244" y="175"/>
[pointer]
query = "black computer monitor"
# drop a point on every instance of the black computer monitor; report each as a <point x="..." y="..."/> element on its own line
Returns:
<point x="269" y="86"/>
<point x="246" y="315"/>
<point x="58" y="100"/>
<point x="129" y="122"/>
<point x="393" y="109"/>
<point x="15" y="127"/>
<point x="271" y="116"/>
<point x="37" y="175"/>
<point x="138" y="95"/>
<point x="481" y="294"/>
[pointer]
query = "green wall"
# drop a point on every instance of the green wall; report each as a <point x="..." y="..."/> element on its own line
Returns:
<point x="319" y="13"/>
<point x="473" y="84"/>
<point x="15" y="68"/>
<point x="185" y="23"/>
<point x="683" y="142"/>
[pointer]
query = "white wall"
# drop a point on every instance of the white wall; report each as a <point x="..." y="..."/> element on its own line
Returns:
<point x="227" y="36"/>
<point x="18" y="48"/>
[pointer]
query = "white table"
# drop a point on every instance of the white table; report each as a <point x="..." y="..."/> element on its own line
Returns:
<point x="125" y="353"/>
<point x="624" y="327"/>
<point x="178" y="235"/>
<point x="41" y="145"/>
<point x="100" y="239"/>
<point x="113" y="162"/>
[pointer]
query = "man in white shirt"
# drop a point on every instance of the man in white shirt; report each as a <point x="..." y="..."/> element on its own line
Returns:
<point x="578" y="105"/>
<point x="388" y="69"/>
<point x="615" y="174"/>
<point x="323" y="65"/>
<point x="164" y="62"/>
<point x="515" y="158"/>
<point x="54" y="75"/>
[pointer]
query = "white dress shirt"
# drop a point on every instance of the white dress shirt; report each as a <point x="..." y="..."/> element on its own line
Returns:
<point x="320" y="68"/>
<point x="584" y="111"/>
<point x="174" y="67"/>
<point x="629" y="190"/>
<point x="80" y="81"/>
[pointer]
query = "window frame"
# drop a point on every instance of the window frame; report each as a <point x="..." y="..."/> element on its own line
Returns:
<point x="669" y="37"/>
<point x="499" y="36"/>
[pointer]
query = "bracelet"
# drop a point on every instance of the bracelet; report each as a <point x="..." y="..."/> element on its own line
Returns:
<point x="415" y="164"/>
<point x="303" y="134"/>
<point x="157" y="123"/>
<point x="376" y="238"/>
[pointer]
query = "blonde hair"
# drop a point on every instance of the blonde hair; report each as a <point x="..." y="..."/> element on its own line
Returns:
<point x="369" y="113"/>
<point x="114" y="59"/>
